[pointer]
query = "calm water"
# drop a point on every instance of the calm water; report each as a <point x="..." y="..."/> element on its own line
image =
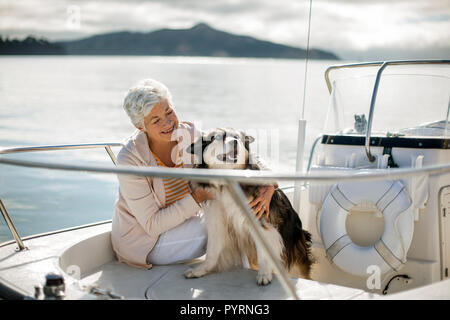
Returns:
<point x="68" y="100"/>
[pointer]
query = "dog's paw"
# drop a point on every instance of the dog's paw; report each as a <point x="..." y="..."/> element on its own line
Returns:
<point x="189" y="273"/>
<point x="193" y="273"/>
<point x="263" y="279"/>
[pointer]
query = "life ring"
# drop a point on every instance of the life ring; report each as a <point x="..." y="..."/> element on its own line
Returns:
<point x="389" y="252"/>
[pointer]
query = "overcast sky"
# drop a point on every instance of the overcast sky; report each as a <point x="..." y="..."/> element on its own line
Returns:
<point x="353" y="29"/>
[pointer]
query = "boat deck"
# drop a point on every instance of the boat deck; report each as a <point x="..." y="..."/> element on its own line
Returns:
<point x="86" y="254"/>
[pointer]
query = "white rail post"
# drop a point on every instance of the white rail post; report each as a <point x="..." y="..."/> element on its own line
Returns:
<point x="299" y="162"/>
<point x="302" y="124"/>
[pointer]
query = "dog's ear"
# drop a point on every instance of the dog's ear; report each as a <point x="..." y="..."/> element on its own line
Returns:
<point x="247" y="140"/>
<point x="197" y="147"/>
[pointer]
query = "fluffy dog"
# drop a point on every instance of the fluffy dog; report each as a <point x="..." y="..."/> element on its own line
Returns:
<point x="229" y="237"/>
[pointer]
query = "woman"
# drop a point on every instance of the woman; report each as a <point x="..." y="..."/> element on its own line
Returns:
<point x="157" y="221"/>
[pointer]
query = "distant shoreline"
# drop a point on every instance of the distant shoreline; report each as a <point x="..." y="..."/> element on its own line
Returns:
<point x="198" y="41"/>
<point x="155" y="56"/>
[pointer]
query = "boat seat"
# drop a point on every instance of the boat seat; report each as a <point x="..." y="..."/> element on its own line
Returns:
<point x="76" y="261"/>
<point x="169" y="283"/>
<point x="101" y="268"/>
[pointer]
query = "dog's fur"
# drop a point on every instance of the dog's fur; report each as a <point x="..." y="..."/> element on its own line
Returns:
<point x="229" y="237"/>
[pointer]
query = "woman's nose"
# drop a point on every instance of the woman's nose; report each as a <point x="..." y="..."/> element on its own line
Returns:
<point x="168" y="120"/>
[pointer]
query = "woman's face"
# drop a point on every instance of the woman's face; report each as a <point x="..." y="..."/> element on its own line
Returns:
<point x="161" y="122"/>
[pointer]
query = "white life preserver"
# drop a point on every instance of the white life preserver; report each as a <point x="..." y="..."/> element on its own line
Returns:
<point x="389" y="252"/>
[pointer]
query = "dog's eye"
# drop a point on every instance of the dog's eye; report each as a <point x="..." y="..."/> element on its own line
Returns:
<point x="218" y="136"/>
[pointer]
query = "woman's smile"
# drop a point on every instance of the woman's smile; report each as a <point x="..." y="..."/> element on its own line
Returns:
<point x="170" y="130"/>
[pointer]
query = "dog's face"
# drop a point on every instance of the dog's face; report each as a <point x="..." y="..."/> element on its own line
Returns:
<point x="222" y="149"/>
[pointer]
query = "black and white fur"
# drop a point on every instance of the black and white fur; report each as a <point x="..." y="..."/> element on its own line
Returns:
<point x="229" y="237"/>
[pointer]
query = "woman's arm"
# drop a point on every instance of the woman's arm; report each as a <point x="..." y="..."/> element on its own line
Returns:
<point x="261" y="203"/>
<point x="143" y="204"/>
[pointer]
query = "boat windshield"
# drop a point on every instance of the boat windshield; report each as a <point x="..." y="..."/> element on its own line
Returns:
<point x="412" y="100"/>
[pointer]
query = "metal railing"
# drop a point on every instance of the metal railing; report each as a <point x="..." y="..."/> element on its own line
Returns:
<point x="382" y="66"/>
<point x="234" y="189"/>
<point x="3" y="209"/>
<point x="107" y="147"/>
<point x="12" y="227"/>
<point x="229" y="178"/>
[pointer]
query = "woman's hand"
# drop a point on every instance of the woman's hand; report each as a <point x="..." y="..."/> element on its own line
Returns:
<point x="261" y="203"/>
<point x="201" y="195"/>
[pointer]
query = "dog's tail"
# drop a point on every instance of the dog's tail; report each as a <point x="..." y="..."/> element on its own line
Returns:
<point x="301" y="257"/>
<point x="297" y="255"/>
<point x="304" y="258"/>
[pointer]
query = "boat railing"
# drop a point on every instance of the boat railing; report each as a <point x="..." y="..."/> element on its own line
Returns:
<point x="382" y="66"/>
<point x="233" y="187"/>
<point x="107" y="147"/>
<point x="3" y="209"/>
<point x="230" y="178"/>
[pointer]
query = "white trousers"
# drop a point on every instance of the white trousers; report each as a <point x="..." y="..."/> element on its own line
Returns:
<point x="184" y="242"/>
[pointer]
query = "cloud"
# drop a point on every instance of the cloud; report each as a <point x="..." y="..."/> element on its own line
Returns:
<point x="348" y="27"/>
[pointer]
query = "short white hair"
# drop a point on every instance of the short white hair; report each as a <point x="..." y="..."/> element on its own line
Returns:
<point x="141" y="98"/>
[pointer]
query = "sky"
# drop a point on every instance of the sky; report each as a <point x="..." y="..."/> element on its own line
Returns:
<point x="352" y="29"/>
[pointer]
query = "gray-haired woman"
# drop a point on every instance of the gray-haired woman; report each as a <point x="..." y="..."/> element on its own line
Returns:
<point x="157" y="221"/>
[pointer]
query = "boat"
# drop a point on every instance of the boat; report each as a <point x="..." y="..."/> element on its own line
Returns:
<point x="377" y="203"/>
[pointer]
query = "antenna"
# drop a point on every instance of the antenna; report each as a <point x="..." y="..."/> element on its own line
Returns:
<point x="301" y="135"/>
<point x="307" y="60"/>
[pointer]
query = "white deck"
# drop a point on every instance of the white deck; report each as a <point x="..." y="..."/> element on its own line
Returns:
<point x="90" y="250"/>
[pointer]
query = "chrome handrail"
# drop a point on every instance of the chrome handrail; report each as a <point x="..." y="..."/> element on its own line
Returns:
<point x="233" y="187"/>
<point x="12" y="227"/>
<point x="3" y="209"/>
<point x="382" y="66"/>
<point x="230" y="178"/>
<point x="371" y="110"/>
<point x="347" y="66"/>
<point x="375" y="64"/>
<point x="107" y="147"/>
<point x="223" y="176"/>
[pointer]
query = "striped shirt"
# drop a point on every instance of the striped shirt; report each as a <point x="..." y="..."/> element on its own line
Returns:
<point x="176" y="189"/>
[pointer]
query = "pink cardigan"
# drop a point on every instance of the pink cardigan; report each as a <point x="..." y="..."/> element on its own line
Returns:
<point x="140" y="215"/>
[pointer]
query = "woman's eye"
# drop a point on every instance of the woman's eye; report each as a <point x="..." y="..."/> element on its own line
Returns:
<point x="155" y="121"/>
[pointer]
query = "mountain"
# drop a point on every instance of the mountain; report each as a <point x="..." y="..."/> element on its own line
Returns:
<point x="30" y="45"/>
<point x="200" y="40"/>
